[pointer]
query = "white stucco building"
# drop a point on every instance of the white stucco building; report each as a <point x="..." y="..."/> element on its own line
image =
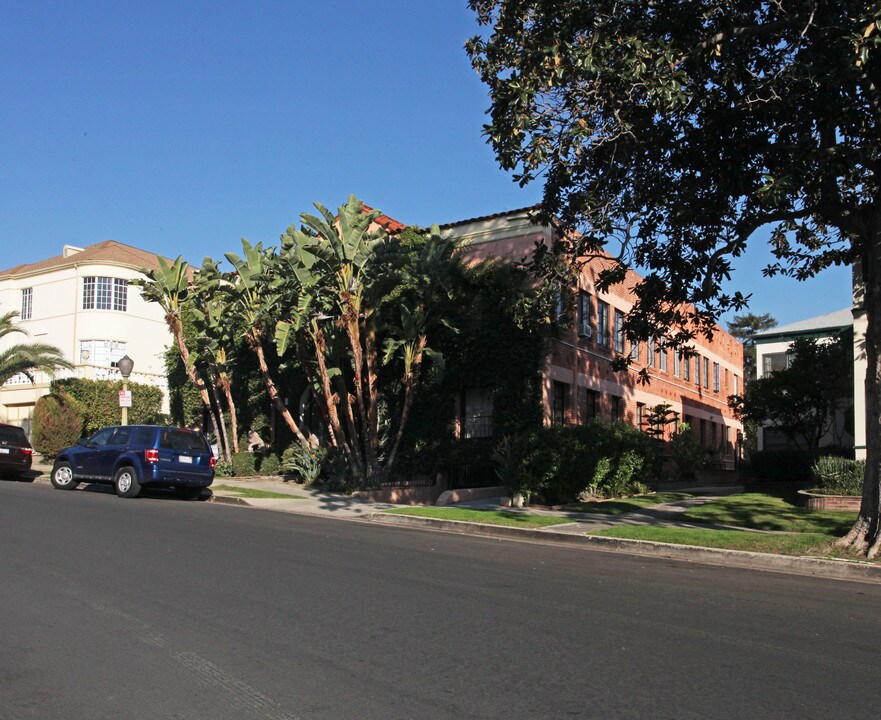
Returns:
<point x="81" y="302"/>
<point x="773" y="353"/>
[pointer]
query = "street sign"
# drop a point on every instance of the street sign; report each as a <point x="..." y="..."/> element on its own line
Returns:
<point x="125" y="398"/>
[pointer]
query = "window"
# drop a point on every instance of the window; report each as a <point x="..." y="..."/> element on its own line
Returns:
<point x="697" y="370"/>
<point x="478" y="407"/>
<point x="662" y="356"/>
<point x="677" y="363"/>
<point x="736" y="385"/>
<point x="558" y="403"/>
<point x="634" y="351"/>
<point x="105" y="293"/>
<point x="584" y="314"/>
<point x="590" y="404"/>
<point x="640" y="415"/>
<point x="707" y="373"/>
<point x="618" y="338"/>
<point x="686" y="366"/>
<point x="559" y="305"/>
<point x="103" y="353"/>
<point x="27" y="303"/>
<point x="650" y="352"/>
<point x="772" y="362"/>
<point x="717" y="377"/>
<point x="617" y="407"/>
<point x="603" y="323"/>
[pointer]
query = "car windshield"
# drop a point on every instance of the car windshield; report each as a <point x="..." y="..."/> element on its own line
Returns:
<point x="13" y="434"/>
<point x="183" y="440"/>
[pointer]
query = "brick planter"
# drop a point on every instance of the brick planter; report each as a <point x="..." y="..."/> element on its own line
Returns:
<point x="815" y="501"/>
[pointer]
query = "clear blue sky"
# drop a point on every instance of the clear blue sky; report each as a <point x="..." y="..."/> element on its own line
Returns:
<point x="181" y="127"/>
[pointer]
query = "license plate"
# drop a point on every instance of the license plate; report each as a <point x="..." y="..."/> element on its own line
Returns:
<point x="184" y="459"/>
<point x="4" y="451"/>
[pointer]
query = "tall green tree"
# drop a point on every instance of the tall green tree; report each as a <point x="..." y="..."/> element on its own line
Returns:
<point x="27" y="358"/>
<point x="169" y="287"/>
<point x="217" y="331"/>
<point x="804" y="399"/>
<point x="745" y="327"/>
<point x="679" y="129"/>
<point x="255" y="294"/>
<point x="337" y="290"/>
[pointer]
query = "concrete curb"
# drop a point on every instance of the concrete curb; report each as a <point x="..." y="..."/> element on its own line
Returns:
<point x="227" y="500"/>
<point x="818" y="567"/>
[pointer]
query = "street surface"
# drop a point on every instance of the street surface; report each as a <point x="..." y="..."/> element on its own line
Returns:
<point x="159" y="608"/>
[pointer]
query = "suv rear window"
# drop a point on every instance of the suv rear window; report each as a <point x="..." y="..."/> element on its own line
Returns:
<point x="10" y="433"/>
<point x="183" y="440"/>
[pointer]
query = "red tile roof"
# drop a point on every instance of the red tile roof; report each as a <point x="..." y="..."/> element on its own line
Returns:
<point x="385" y="222"/>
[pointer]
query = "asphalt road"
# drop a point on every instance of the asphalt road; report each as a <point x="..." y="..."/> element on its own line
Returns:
<point x="159" y="608"/>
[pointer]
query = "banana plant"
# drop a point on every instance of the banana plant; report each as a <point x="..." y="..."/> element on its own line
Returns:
<point x="216" y="329"/>
<point x="255" y="293"/>
<point x="330" y="266"/>
<point x="169" y="286"/>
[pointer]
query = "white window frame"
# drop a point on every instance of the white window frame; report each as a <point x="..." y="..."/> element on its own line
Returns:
<point x="105" y="293"/>
<point x="27" y="303"/>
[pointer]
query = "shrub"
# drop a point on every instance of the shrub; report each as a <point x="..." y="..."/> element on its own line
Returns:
<point x="303" y="461"/>
<point x="100" y="401"/>
<point x="244" y="463"/>
<point x="223" y="468"/>
<point x="266" y="464"/>
<point x="838" y="476"/>
<point x="601" y="459"/>
<point x="57" y="424"/>
<point x="687" y="452"/>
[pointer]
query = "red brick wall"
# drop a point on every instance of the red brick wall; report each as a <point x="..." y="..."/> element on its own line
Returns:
<point x="585" y="363"/>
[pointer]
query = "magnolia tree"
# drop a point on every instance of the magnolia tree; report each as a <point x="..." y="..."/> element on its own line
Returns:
<point x="679" y="129"/>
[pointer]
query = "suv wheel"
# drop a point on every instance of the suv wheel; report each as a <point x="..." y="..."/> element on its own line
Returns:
<point x="126" y="482"/>
<point x="62" y="476"/>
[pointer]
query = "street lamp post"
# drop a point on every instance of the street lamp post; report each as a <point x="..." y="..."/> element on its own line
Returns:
<point x="125" y="365"/>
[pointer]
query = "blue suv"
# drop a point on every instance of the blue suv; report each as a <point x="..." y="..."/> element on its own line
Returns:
<point x="136" y="456"/>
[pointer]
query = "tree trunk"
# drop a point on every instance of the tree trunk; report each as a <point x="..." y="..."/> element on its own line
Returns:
<point x="226" y="454"/>
<point x="233" y="419"/>
<point x="257" y="347"/>
<point x="864" y="536"/>
<point x="195" y="378"/>
<point x="409" y="384"/>
<point x="337" y="433"/>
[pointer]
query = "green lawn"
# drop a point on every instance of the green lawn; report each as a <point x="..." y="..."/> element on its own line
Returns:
<point x="247" y="492"/>
<point x="816" y="544"/>
<point x="627" y="505"/>
<point x="487" y="517"/>
<point x="765" y="512"/>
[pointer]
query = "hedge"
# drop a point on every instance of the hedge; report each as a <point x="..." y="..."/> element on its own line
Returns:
<point x="563" y="464"/>
<point x="100" y="401"/>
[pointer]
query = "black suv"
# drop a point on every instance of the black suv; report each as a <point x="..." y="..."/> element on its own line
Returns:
<point x="135" y="456"/>
<point x="15" y="451"/>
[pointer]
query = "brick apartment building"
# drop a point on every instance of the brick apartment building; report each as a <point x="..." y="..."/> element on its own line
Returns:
<point x="579" y="382"/>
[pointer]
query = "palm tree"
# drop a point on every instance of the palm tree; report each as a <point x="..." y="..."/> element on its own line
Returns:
<point x="26" y="358"/>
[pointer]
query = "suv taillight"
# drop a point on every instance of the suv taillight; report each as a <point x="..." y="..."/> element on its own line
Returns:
<point x="151" y="455"/>
<point x="212" y="462"/>
<point x="28" y="451"/>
